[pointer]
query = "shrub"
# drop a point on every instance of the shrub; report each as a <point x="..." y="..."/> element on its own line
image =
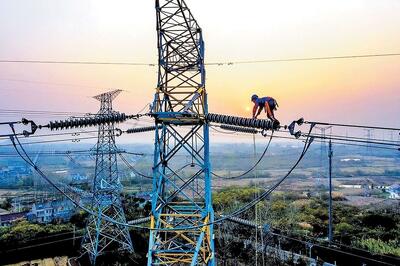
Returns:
<point x="378" y="246"/>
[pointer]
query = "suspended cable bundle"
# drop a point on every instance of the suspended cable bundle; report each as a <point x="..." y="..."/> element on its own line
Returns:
<point x="141" y="129"/>
<point x="242" y="121"/>
<point x="139" y="221"/>
<point x="239" y="129"/>
<point x="241" y="221"/>
<point x="351" y="125"/>
<point x="88" y="121"/>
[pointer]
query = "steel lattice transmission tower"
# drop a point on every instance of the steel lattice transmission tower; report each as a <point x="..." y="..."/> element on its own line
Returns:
<point x="181" y="201"/>
<point x="102" y="235"/>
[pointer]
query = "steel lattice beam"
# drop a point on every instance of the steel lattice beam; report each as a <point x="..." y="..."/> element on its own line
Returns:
<point x="180" y="200"/>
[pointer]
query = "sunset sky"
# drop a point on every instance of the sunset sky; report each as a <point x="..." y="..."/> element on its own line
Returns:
<point x="362" y="91"/>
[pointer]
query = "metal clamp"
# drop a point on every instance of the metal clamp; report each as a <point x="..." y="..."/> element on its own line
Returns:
<point x="24" y="133"/>
<point x="292" y="126"/>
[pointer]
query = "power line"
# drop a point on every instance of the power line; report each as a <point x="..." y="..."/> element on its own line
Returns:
<point x="132" y="168"/>
<point x="29" y="161"/>
<point x="64" y="153"/>
<point x="249" y="205"/>
<point x="253" y="167"/>
<point x="50" y="141"/>
<point x="39" y="116"/>
<point x="316" y="242"/>
<point x="351" y="125"/>
<point x="48" y="83"/>
<point x="334" y="142"/>
<point x="246" y="207"/>
<point x="333" y="137"/>
<point x="331" y="249"/>
<point x="43" y="244"/>
<point x="334" y="241"/>
<point x="357" y="140"/>
<point x="266" y="193"/>
<point x="75" y="133"/>
<point x="24" y="111"/>
<point x="75" y="62"/>
<point x="222" y="63"/>
<point x="303" y="59"/>
<point x="361" y="145"/>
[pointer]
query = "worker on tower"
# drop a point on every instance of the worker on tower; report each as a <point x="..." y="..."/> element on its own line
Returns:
<point x="269" y="104"/>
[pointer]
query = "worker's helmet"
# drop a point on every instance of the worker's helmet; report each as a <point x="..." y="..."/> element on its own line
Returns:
<point x="254" y="97"/>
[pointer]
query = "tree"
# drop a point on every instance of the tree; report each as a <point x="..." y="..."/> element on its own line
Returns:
<point x="6" y="204"/>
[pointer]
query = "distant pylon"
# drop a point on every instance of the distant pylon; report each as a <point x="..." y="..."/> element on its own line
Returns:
<point x="102" y="235"/>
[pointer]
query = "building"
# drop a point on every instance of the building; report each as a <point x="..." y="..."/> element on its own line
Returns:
<point x="394" y="191"/>
<point x="56" y="210"/>
<point x="14" y="174"/>
<point x="79" y="179"/>
<point x="9" y="218"/>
